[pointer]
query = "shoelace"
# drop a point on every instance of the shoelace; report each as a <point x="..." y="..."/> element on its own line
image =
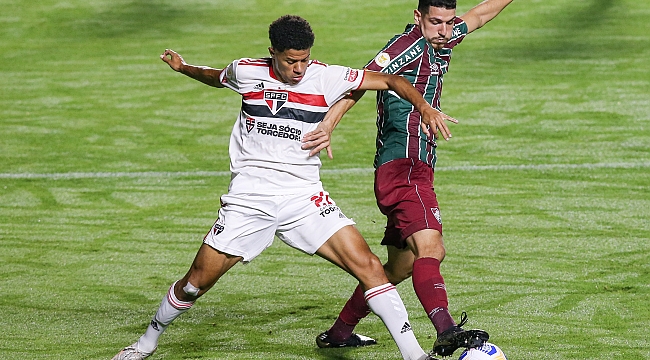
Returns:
<point x="463" y="319"/>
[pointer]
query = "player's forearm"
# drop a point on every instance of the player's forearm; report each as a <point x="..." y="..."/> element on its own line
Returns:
<point x="405" y="90"/>
<point x="340" y="108"/>
<point x="204" y="74"/>
<point x="484" y="12"/>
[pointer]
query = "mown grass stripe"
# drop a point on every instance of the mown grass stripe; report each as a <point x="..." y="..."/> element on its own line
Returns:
<point x="163" y="174"/>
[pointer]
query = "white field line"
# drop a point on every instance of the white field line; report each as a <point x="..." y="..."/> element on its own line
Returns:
<point x="157" y="174"/>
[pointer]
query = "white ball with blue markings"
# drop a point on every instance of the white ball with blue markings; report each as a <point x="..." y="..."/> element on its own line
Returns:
<point x="486" y="352"/>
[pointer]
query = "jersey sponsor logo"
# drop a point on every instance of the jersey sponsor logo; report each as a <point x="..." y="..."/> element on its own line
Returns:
<point x="351" y="75"/>
<point x="275" y="99"/>
<point x="404" y="59"/>
<point x="259" y="86"/>
<point x="250" y="124"/>
<point x="382" y="59"/>
<point x="279" y="131"/>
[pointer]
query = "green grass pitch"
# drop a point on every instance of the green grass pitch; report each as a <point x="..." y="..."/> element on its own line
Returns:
<point x="111" y="168"/>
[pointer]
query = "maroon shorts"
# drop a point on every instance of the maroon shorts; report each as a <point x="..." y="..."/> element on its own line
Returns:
<point x="404" y="192"/>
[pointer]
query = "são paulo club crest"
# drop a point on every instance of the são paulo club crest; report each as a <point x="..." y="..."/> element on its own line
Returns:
<point x="275" y="99"/>
<point x="250" y="123"/>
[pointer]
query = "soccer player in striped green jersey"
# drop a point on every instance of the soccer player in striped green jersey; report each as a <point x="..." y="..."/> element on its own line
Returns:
<point x="404" y="163"/>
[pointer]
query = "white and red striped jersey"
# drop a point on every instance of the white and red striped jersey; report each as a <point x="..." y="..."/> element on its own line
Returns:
<point x="265" y="153"/>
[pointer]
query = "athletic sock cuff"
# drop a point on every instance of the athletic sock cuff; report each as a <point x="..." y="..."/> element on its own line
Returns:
<point x="177" y="304"/>
<point x="378" y="290"/>
<point x="427" y="261"/>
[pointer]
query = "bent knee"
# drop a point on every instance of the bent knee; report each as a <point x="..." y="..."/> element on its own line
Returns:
<point x="397" y="275"/>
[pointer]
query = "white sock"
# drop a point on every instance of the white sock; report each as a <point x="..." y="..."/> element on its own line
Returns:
<point x="170" y="308"/>
<point x="386" y="303"/>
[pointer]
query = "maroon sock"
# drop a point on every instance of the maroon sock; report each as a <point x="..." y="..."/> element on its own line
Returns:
<point x="353" y="311"/>
<point x="430" y="288"/>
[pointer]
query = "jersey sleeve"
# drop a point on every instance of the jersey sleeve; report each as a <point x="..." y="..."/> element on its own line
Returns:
<point x="383" y="58"/>
<point x="458" y="33"/>
<point x="399" y="52"/>
<point x="228" y="77"/>
<point x="339" y="81"/>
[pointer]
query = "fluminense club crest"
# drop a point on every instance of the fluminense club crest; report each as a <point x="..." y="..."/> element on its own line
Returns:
<point x="436" y="214"/>
<point x="275" y="99"/>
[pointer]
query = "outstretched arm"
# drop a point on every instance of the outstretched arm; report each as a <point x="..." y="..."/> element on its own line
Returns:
<point x="432" y="119"/>
<point x="319" y="139"/>
<point x="480" y="14"/>
<point x="204" y="74"/>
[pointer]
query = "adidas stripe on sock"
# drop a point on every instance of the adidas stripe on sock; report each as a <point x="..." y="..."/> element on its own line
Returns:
<point x="386" y="303"/>
<point x="170" y="308"/>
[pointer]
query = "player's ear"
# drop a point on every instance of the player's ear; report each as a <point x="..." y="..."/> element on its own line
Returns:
<point x="417" y="16"/>
<point x="271" y="51"/>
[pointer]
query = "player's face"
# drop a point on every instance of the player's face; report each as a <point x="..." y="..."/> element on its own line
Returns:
<point x="290" y="65"/>
<point x="436" y="25"/>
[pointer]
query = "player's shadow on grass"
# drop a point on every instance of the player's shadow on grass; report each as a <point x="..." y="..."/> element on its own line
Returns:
<point x="577" y="30"/>
<point x="117" y="20"/>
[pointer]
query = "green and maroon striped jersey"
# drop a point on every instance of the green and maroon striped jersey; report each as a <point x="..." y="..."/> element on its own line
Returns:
<point x="398" y="123"/>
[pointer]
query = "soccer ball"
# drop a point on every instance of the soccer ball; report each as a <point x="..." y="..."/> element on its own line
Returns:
<point x="486" y="352"/>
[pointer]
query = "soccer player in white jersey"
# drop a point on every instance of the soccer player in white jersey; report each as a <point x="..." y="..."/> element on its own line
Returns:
<point x="275" y="188"/>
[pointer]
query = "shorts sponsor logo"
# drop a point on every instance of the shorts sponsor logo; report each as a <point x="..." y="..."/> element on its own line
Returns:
<point x="250" y="124"/>
<point x="325" y="204"/>
<point x="275" y="99"/>
<point x="329" y="210"/>
<point x="321" y="198"/>
<point x="279" y="131"/>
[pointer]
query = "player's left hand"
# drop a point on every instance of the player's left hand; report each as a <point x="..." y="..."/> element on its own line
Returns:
<point x="318" y="140"/>
<point x="173" y="59"/>
<point x="435" y="120"/>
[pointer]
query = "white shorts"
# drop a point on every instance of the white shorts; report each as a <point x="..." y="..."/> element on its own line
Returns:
<point x="247" y="223"/>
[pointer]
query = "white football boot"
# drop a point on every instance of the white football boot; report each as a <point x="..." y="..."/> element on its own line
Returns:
<point x="132" y="353"/>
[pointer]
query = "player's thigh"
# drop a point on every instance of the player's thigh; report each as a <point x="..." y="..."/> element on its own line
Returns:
<point x="245" y="227"/>
<point x="404" y="193"/>
<point x="308" y="220"/>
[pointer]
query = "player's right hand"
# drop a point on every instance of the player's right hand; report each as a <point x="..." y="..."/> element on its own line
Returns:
<point x="434" y="120"/>
<point x="317" y="140"/>
<point x="173" y="59"/>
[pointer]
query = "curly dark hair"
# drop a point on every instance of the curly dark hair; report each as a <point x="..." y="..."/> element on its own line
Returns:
<point x="423" y="5"/>
<point x="291" y="32"/>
